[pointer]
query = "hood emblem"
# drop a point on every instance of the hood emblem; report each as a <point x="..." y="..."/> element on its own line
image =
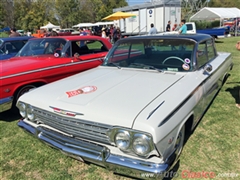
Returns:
<point x="65" y="112"/>
<point x="83" y="90"/>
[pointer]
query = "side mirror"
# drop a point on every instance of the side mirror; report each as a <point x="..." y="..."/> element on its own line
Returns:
<point x="207" y="68"/>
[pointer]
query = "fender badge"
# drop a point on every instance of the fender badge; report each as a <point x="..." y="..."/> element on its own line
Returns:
<point x="83" y="90"/>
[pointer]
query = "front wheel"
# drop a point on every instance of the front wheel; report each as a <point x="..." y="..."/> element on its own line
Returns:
<point x="180" y="141"/>
<point x="19" y="93"/>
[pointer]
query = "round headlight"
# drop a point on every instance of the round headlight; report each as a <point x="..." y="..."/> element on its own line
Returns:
<point x="141" y="144"/>
<point x="22" y="109"/>
<point x="122" y="140"/>
<point x="30" y="114"/>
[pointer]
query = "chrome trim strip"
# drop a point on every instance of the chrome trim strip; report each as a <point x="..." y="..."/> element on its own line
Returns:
<point x="48" y="68"/>
<point x="150" y="114"/>
<point x="6" y="103"/>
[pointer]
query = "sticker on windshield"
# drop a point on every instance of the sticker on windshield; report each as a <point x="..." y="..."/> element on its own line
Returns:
<point x="83" y="90"/>
<point x="56" y="54"/>
<point x="187" y="60"/>
<point x="185" y="67"/>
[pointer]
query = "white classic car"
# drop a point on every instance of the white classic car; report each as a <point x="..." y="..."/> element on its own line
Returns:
<point x="131" y="113"/>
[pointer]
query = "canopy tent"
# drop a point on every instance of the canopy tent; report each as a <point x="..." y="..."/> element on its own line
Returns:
<point x="215" y="13"/>
<point x="50" y="26"/>
<point x="103" y="23"/>
<point x="118" y="15"/>
<point x="83" y="25"/>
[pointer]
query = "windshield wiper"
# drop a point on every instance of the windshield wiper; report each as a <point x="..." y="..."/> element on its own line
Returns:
<point x="145" y="66"/>
<point x="114" y="65"/>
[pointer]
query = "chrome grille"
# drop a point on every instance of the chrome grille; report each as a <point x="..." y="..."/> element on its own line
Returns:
<point x="77" y="127"/>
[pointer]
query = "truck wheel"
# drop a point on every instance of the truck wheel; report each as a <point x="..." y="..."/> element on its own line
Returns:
<point x="19" y="93"/>
<point x="180" y="141"/>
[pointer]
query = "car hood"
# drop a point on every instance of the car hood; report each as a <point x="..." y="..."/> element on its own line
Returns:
<point x="107" y="95"/>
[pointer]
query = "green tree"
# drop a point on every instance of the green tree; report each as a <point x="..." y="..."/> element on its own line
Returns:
<point x="67" y="12"/>
<point x="3" y="14"/>
<point x="31" y="15"/>
<point x="224" y="3"/>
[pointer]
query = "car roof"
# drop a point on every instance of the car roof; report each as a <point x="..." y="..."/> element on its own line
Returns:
<point x="196" y="37"/>
<point x="16" y="38"/>
<point x="74" y="38"/>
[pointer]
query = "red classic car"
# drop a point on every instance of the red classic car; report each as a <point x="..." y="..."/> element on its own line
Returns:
<point x="44" y="60"/>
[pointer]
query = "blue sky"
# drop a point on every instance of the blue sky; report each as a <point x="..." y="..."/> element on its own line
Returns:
<point x="134" y="2"/>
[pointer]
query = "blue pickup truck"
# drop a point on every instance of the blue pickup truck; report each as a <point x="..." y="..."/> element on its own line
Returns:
<point x="219" y="32"/>
<point x="216" y="33"/>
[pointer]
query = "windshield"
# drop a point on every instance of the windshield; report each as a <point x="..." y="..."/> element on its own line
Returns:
<point x="42" y="47"/>
<point x="160" y="54"/>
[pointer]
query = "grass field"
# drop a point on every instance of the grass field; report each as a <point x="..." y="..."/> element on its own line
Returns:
<point x="214" y="146"/>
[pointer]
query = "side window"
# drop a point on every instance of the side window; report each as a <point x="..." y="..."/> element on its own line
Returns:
<point x="202" y="54"/>
<point x="189" y="27"/>
<point x="137" y="50"/>
<point x="210" y="49"/>
<point x="9" y="48"/>
<point x="96" y="46"/>
<point x="120" y="54"/>
<point x="18" y="45"/>
<point x="87" y="47"/>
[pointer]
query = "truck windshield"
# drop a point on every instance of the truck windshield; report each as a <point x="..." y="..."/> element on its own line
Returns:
<point x="162" y="54"/>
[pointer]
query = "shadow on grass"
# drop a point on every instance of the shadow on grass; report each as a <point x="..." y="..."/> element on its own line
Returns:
<point x="235" y="92"/>
<point x="173" y="173"/>
<point x="9" y="116"/>
<point x="218" y="41"/>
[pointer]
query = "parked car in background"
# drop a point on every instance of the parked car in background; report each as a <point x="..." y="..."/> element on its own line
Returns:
<point x="44" y="60"/>
<point x="39" y="33"/>
<point x="131" y="113"/>
<point x="11" y="45"/>
<point x="68" y="32"/>
<point x="219" y="32"/>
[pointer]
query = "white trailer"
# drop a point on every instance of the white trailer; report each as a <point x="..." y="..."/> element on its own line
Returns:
<point x="158" y="12"/>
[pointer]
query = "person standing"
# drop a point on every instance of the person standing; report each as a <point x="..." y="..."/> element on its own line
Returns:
<point x="153" y="30"/>
<point x="183" y="29"/>
<point x="168" y="28"/>
<point x="14" y="33"/>
<point x="82" y="32"/>
<point x="104" y="35"/>
<point x="116" y="34"/>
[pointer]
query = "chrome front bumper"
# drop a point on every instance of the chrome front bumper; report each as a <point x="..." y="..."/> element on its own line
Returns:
<point x="6" y="104"/>
<point x="96" y="154"/>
